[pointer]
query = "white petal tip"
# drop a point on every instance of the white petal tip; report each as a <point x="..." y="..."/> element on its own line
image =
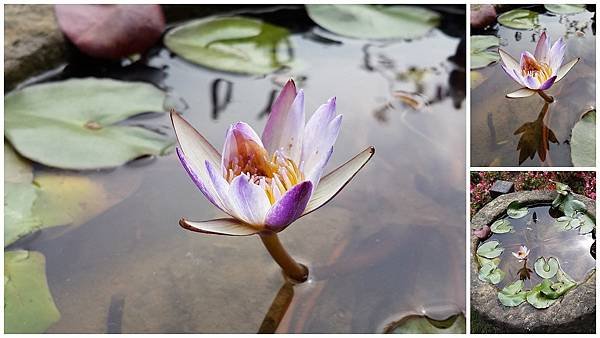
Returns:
<point x="521" y="93"/>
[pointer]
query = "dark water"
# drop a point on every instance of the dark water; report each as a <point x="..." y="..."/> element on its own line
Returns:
<point x="391" y="244"/>
<point x="495" y="119"/>
<point x="546" y="239"/>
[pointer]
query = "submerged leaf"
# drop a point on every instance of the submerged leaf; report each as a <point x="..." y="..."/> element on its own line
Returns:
<point x="501" y="226"/>
<point x="516" y="210"/>
<point x="28" y="303"/>
<point x="232" y="44"/>
<point x="490" y="249"/>
<point x="374" y="21"/>
<point x="483" y="51"/>
<point x="586" y="223"/>
<point x="513" y="294"/>
<point x="565" y="8"/>
<point x="519" y="19"/>
<point x="422" y="324"/>
<point x="583" y="141"/>
<point x="16" y="169"/>
<point x="73" y="124"/>
<point x="546" y="268"/>
<point x="19" y="219"/>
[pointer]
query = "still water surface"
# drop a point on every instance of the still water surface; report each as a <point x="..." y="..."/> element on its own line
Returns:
<point x="391" y="244"/>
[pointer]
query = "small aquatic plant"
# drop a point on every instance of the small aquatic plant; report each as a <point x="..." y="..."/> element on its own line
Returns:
<point x="540" y="71"/>
<point x="522" y="253"/>
<point x="266" y="183"/>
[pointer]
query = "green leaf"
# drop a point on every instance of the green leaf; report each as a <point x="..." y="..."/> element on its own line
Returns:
<point x="491" y="274"/>
<point x="483" y="261"/>
<point x="537" y="299"/>
<point x="513" y="294"/>
<point x="19" y="220"/>
<point x="73" y="124"/>
<point x="501" y="226"/>
<point x="28" y="304"/>
<point x="519" y="19"/>
<point x="583" y="141"/>
<point x="232" y="44"/>
<point x="374" y="21"/>
<point x="516" y="210"/>
<point x="567" y="223"/>
<point x="565" y="9"/>
<point x="421" y="324"/>
<point x="546" y="268"/>
<point x="490" y="249"/>
<point x="481" y="55"/>
<point x="570" y="206"/>
<point x="16" y="169"/>
<point x="586" y="223"/>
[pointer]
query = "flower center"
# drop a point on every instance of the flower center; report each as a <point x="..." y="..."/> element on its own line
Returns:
<point x="274" y="175"/>
<point x="538" y="70"/>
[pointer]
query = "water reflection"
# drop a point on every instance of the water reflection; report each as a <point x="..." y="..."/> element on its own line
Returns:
<point x="535" y="138"/>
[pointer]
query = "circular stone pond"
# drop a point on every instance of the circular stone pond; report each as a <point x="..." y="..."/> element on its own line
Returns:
<point x="537" y="229"/>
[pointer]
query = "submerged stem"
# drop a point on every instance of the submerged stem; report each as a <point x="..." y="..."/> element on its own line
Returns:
<point x="545" y="96"/>
<point x="291" y="268"/>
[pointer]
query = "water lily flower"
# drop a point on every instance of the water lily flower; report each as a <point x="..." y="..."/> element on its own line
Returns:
<point x="265" y="183"/>
<point x="522" y="253"/>
<point x="537" y="72"/>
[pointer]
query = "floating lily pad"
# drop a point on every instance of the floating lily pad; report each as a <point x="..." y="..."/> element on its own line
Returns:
<point x="537" y="299"/>
<point x="586" y="223"/>
<point x="421" y="324"/>
<point x="568" y="223"/>
<point x="483" y="261"/>
<point x="519" y="19"/>
<point x="490" y="249"/>
<point x="232" y="44"/>
<point x="28" y="303"/>
<point x="19" y="219"/>
<point x="501" y="226"/>
<point x="565" y="9"/>
<point x="513" y="294"/>
<point x="491" y="274"/>
<point x="546" y="268"/>
<point x="374" y="21"/>
<point x="73" y="124"/>
<point x="516" y="210"/>
<point x="16" y="169"/>
<point x="484" y="51"/>
<point x="583" y="141"/>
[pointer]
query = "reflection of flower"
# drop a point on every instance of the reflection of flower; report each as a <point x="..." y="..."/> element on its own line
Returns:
<point x="266" y="183"/>
<point x="537" y="72"/>
<point x="535" y="137"/>
<point x="524" y="273"/>
<point x="522" y="253"/>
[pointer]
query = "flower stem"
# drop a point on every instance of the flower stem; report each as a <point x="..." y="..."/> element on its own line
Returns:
<point x="545" y="96"/>
<point x="291" y="268"/>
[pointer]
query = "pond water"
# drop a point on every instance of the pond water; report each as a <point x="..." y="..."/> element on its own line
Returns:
<point x="390" y="244"/>
<point x="495" y="119"/>
<point x="543" y="238"/>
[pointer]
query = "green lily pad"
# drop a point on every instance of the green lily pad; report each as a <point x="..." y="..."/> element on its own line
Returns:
<point x="484" y="51"/>
<point x="513" y="294"/>
<point x="537" y="299"/>
<point x="519" y="19"/>
<point x="421" y="324"/>
<point x="73" y="124"/>
<point x="568" y="223"/>
<point x="232" y="44"/>
<point x="491" y="274"/>
<point x="501" y="226"/>
<point x="16" y="169"/>
<point x="546" y="268"/>
<point x="583" y="141"/>
<point x="586" y="223"/>
<point x="28" y="303"/>
<point x="374" y="21"/>
<point x="516" y="210"/>
<point x="490" y="249"/>
<point x="483" y="261"/>
<point x="19" y="219"/>
<point x="565" y="9"/>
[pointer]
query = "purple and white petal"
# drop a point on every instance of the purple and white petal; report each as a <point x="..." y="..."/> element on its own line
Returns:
<point x="205" y="187"/>
<point x="542" y="48"/>
<point x="220" y="226"/>
<point x="249" y="200"/>
<point x="531" y="82"/>
<point x="334" y="182"/>
<point x="289" y="207"/>
<point x="527" y="61"/>
<point x="240" y="138"/>
<point x="509" y="61"/>
<point x="548" y="83"/>
<point x="520" y="93"/>
<point x="564" y="69"/>
<point x="278" y="113"/>
<point x="513" y="74"/>
<point x="557" y="55"/>
<point x="221" y="188"/>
